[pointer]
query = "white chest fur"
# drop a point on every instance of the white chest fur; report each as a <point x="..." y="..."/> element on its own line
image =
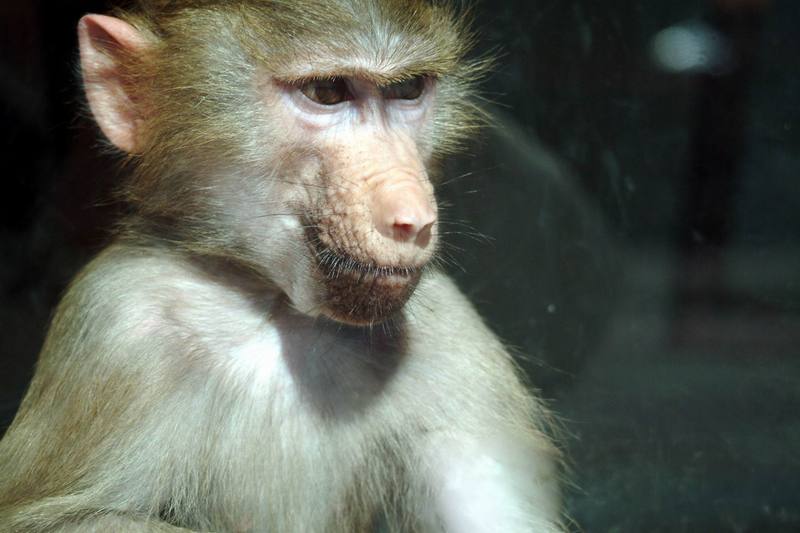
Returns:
<point x="291" y="411"/>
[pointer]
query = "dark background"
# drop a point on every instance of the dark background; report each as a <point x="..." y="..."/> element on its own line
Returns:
<point x="632" y="232"/>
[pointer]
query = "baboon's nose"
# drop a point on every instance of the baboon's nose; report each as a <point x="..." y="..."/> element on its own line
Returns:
<point x="403" y="212"/>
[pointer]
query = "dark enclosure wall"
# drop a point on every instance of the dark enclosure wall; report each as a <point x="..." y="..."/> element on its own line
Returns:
<point x="630" y="227"/>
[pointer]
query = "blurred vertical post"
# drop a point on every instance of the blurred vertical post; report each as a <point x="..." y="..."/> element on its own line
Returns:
<point x="717" y="146"/>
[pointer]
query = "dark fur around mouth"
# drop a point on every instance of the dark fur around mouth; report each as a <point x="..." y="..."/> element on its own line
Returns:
<point x="359" y="293"/>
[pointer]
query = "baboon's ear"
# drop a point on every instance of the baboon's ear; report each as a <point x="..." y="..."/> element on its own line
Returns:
<point x="104" y="43"/>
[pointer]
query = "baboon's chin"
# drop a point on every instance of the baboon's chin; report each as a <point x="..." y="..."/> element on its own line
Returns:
<point x="361" y="298"/>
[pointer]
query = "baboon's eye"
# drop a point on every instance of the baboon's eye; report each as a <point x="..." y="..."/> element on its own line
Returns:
<point x="409" y="89"/>
<point x="330" y="91"/>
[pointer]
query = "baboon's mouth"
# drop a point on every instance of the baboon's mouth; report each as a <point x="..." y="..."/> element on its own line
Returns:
<point x="334" y="265"/>
<point x="360" y="293"/>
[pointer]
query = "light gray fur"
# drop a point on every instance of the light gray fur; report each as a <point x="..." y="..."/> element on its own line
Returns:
<point x="158" y="389"/>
